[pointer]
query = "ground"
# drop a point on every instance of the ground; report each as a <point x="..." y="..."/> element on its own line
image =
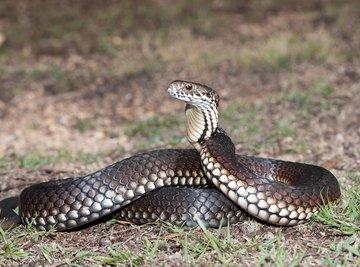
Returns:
<point x="83" y="84"/>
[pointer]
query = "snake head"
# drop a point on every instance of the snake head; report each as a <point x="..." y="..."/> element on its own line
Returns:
<point x="192" y="93"/>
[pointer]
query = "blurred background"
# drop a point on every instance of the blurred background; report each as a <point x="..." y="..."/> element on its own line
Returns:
<point x="83" y="84"/>
<point x="89" y="78"/>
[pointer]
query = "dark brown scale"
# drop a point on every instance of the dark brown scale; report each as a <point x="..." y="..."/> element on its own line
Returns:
<point x="250" y="181"/>
<point x="288" y="200"/>
<point x="86" y="195"/>
<point x="277" y="195"/>
<point x="112" y="188"/>
<point x="260" y="188"/>
<point x="297" y="183"/>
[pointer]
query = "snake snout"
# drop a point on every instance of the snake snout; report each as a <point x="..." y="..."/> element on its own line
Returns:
<point x="176" y="90"/>
<point x="171" y="92"/>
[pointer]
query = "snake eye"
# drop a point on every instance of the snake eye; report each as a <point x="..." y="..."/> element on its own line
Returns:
<point x="188" y="86"/>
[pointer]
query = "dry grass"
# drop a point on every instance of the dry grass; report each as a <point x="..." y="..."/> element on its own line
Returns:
<point x="83" y="85"/>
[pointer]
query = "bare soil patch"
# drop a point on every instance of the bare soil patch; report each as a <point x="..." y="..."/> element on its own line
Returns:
<point x="71" y="107"/>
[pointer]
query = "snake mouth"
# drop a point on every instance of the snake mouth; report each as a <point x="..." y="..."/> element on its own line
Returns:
<point x="179" y="97"/>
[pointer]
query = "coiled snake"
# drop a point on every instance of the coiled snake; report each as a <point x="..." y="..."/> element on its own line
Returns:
<point x="210" y="182"/>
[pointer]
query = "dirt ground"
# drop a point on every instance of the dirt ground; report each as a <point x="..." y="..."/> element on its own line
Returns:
<point x="83" y="86"/>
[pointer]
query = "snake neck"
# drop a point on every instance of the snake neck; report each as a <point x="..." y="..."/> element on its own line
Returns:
<point x="201" y="124"/>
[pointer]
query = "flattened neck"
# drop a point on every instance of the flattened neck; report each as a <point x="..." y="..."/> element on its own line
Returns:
<point x="202" y="122"/>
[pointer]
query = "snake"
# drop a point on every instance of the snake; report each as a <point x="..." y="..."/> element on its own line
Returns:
<point x="208" y="183"/>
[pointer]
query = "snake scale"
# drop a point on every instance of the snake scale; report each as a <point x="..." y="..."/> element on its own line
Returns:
<point x="211" y="182"/>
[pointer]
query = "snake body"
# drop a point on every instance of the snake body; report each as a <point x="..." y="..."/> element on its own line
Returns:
<point x="69" y="203"/>
<point x="210" y="182"/>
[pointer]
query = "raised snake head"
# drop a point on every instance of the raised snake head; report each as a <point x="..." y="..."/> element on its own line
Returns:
<point x="201" y="109"/>
<point x="195" y="94"/>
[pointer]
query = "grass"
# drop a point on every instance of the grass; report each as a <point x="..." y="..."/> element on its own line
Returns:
<point x="70" y="258"/>
<point x="102" y="47"/>
<point x="55" y="77"/>
<point x="157" y="130"/>
<point x="34" y="160"/>
<point x="14" y="243"/>
<point x="251" y="122"/>
<point x="254" y="244"/>
<point x="274" y="252"/>
<point x="150" y="38"/>
<point x="53" y="72"/>
<point x="192" y="247"/>
<point x="244" y="116"/>
<point x="223" y="247"/>
<point x="154" y="126"/>
<point x="11" y="248"/>
<point x="245" y="121"/>
<point x="273" y="53"/>
<point x="44" y="33"/>
<point x="250" y="243"/>
<point x="313" y="99"/>
<point x="343" y="217"/>
<point x="83" y="125"/>
<point x="120" y="256"/>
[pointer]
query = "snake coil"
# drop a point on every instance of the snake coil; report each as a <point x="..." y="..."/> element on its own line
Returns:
<point x="210" y="182"/>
